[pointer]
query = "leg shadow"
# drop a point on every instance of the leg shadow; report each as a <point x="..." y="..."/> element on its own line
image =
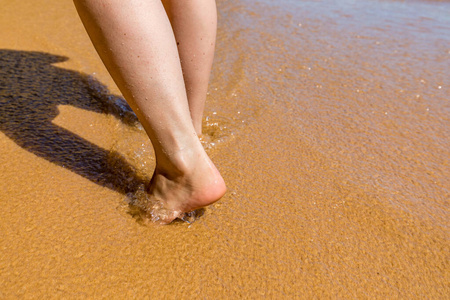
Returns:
<point x="31" y="89"/>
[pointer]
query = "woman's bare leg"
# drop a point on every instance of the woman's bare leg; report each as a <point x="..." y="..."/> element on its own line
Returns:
<point x="194" y="23"/>
<point x="135" y="40"/>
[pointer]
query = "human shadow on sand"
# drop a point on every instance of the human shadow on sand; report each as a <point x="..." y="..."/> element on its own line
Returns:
<point x="31" y="89"/>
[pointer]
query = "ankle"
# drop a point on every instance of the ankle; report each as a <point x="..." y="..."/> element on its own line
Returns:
<point x="182" y="162"/>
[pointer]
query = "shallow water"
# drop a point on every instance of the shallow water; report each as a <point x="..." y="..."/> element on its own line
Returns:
<point x="328" y="119"/>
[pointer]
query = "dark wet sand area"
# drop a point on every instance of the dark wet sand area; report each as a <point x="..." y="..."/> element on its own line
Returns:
<point x="328" y="120"/>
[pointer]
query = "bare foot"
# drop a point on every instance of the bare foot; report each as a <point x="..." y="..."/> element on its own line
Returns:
<point x="192" y="182"/>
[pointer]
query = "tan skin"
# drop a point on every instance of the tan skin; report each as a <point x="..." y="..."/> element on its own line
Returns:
<point x="138" y="44"/>
<point x="194" y="24"/>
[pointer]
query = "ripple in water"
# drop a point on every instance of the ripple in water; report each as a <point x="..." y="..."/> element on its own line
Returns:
<point x="216" y="131"/>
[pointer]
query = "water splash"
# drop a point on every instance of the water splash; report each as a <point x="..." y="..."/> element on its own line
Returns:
<point x="147" y="210"/>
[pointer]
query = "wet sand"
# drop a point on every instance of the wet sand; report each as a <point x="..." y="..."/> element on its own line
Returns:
<point x="329" y="122"/>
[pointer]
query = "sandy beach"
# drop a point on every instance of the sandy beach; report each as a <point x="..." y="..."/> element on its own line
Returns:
<point x="329" y="121"/>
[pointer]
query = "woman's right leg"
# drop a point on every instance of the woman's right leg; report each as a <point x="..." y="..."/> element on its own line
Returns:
<point x="135" y="41"/>
<point x="194" y="23"/>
